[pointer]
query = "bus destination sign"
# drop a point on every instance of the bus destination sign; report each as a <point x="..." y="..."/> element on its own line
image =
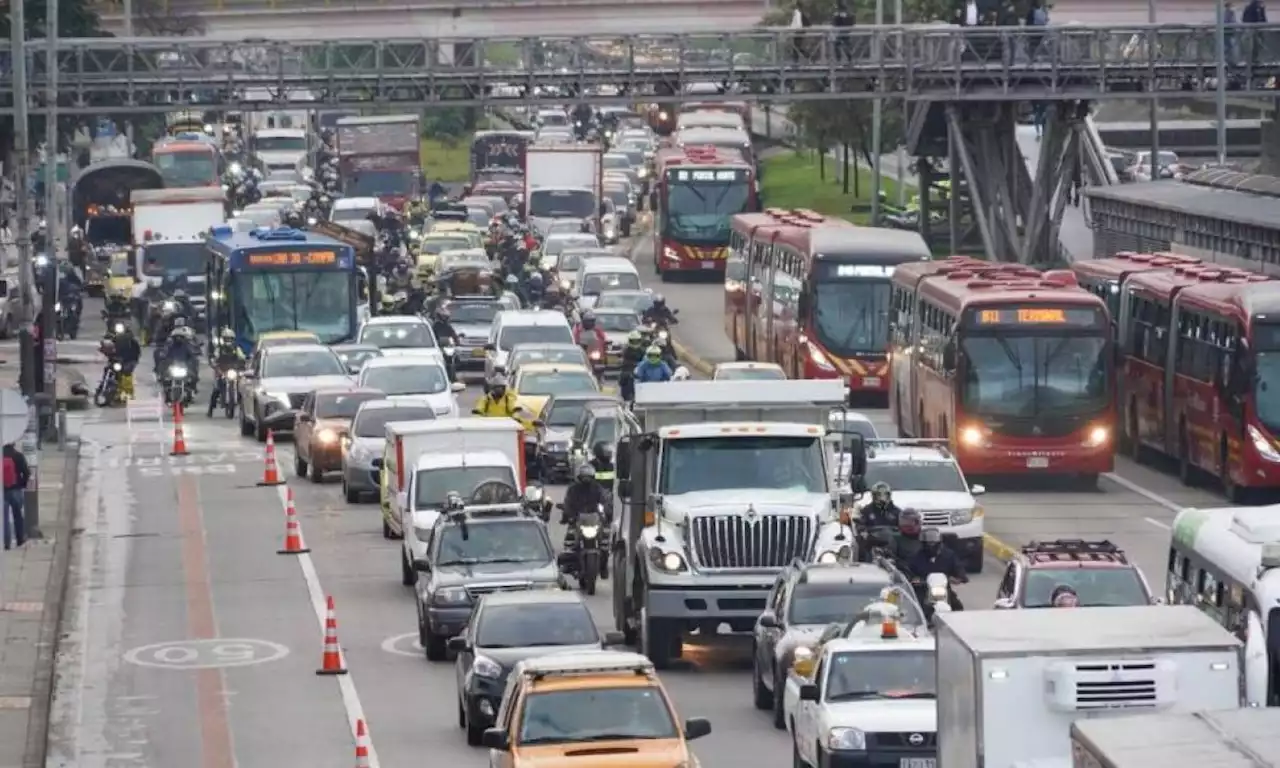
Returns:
<point x="1074" y="317"/>
<point x="716" y="175"/>
<point x="291" y="258"/>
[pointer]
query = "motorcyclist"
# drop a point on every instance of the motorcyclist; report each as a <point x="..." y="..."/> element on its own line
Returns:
<point x="589" y="334"/>
<point x="500" y="401"/>
<point x="652" y="368"/>
<point x="1064" y="596"/>
<point x="632" y="355"/>
<point x="881" y="512"/>
<point x="907" y="543"/>
<point x="935" y="558"/>
<point x="227" y="356"/>
<point x="446" y="335"/>
<point x="658" y="314"/>
<point x="70" y="293"/>
<point x="535" y="288"/>
<point x="128" y="353"/>
<point x="109" y="351"/>
<point x="584" y="494"/>
<point x="602" y="462"/>
<point x="179" y="348"/>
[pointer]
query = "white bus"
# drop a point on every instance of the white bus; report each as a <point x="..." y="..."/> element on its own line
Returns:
<point x="1227" y="563"/>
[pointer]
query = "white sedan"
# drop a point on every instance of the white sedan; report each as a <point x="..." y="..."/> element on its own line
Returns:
<point x="423" y="378"/>
<point x="748" y="371"/>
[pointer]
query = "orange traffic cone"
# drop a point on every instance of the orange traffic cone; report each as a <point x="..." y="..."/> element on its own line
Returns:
<point x="271" y="472"/>
<point x="331" y="661"/>
<point x="179" y="434"/>
<point x="292" y="531"/>
<point x="362" y="745"/>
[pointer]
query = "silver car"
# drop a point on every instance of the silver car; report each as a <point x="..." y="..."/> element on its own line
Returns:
<point x="278" y="379"/>
<point x="363" y="445"/>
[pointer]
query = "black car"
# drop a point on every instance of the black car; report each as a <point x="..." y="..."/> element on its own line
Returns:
<point x="598" y="425"/>
<point x="509" y="627"/>
<point x="559" y="416"/>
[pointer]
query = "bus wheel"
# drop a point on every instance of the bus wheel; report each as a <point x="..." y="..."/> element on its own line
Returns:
<point x="1186" y="470"/>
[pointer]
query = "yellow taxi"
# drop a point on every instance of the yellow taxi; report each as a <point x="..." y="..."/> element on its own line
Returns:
<point x="466" y="228"/>
<point x="534" y="383"/>
<point x="283" y="338"/>
<point x="436" y="242"/>
<point x="119" y="277"/>
<point x="609" y="702"/>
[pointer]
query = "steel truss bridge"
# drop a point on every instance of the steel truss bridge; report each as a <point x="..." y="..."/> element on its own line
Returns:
<point x="929" y="63"/>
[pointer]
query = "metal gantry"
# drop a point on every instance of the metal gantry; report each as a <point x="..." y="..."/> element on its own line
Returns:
<point x="916" y="63"/>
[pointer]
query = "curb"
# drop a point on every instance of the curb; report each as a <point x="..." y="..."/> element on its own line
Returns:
<point x="55" y="599"/>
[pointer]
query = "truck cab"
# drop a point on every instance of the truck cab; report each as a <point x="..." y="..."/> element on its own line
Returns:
<point x="722" y="485"/>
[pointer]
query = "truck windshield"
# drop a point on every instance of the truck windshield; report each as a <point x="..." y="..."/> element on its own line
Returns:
<point x="882" y="675"/>
<point x="562" y="204"/>
<point x="174" y="259"/>
<point x="280" y="143"/>
<point x="1266" y="389"/>
<point x="376" y="183"/>
<point x="727" y="463"/>
<point x="109" y="230"/>
<point x="187" y="169"/>
<point x="320" y="302"/>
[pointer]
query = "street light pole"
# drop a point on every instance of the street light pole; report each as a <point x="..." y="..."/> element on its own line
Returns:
<point x="877" y="117"/>
<point x="1152" y="40"/>
<point x="906" y="119"/>
<point x="1222" y="82"/>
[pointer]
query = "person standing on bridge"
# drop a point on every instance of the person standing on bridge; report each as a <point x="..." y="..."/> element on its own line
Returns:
<point x="843" y="21"/>
<point x="799" y="20"/>
<point x="1037" y="16"/>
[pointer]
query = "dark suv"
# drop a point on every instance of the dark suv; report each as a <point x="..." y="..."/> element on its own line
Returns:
<point x="1098" y="571"/>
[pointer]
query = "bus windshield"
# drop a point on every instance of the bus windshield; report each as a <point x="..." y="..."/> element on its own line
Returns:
<point x="187" y="169"/>
<point x="1029" y="376"/>
<point x="851" y="317"/>
<point x="319" y="302"/>
<point x="1266" y="389"/>
<point x="700" y="211"/>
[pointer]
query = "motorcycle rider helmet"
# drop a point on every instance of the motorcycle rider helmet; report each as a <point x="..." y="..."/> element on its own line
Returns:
<point x="634" y="338"/>
<point x="881" y="493"/>
<point x="653" y="354"/>
<point x="388" y="301"/>
<point x="498" y="387"/>
<point x="512" y="282"/>
<point x="183" y="332"/>
<point x="909" y="523"/>
<point x="588" y="320"/>
<point x="442" y="314"/>
<point x="179" y="295"/>
<point x="659" y="301"/>
<point x="602" y="453"/>
<point x="107" y="347"/>
<point x="535" y="280"/>
<point x="584" y="473"/>
<point x="932" y="540"/>
<point x="1064" y="596"/>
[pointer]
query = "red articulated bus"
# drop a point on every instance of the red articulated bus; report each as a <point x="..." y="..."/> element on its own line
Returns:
<point x="1103" y="277"/>
<point x="697" y="191"/>
<point x="1011" y="365"/>
<point x="1201" y="383"/>
<point x="811" y="293"/>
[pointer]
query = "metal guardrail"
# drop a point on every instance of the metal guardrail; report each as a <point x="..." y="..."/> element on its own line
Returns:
<point x="916" y="63"/>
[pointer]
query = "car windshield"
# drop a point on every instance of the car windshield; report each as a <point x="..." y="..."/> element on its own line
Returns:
<point x="1030" y="376"/>
<point x="280" y="143"/>
<point x="560" y="244"/>
<point x="725" y="463"/>
<point x="637" y="301"/>
<point x="1096" y="587"/>
<point x="548" y="355"/>
<point x="635" y="155"/>
<point x="852" y="316"/>
<point x="599" y="282"/>
<point x="605" y="430"/>
<point x="424" y="379"/>
<point x="619" y="196"/>
<point x="433" y="486"/>
<point x="829" y="603"/>
<point x="473" y="312"/>
<point x="356" y="358"/>
<point x="553" y="118"/>
<point x="524" y="334"/>
<point x="320" y="302"/>
<point x="700" y="212"/>
<point x="619" y="162"/>
<point x="373" y="422"/>
<point x="438" y="245"/>
<point x="618" y="321"/>
<point x="562" y="203"/>
<point x="351" y="214"/>
<point x="566" y="413"/>
<point x="881" y="675"/>
<point x="398" y="335"/>
<point x="342" y="406"/>
<point x="555" y="382"/>
<point x="535" y="624"/>
<point x="847" y="428"/>
<point x="302" y="364"/>
<point x="596" y="714"/>
<point x="750" y="374"/>
<point x="916" y="476"/>
<point x="515" y="541"/>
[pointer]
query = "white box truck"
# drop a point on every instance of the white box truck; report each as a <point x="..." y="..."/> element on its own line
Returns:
<point x="563" y="182"/>
<point x="1236" y="738"/>
<point x="1010" y="683"/>
<point x="169" y="229"/>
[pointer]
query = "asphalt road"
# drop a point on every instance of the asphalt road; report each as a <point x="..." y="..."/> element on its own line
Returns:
<point x="190" y="641"/>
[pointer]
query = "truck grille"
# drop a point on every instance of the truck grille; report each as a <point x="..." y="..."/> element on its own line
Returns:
<point x="735" y="541"/>
<point x="935" y="518"/>
<point x="476" y="590"/>
<point x="922" y="740"/>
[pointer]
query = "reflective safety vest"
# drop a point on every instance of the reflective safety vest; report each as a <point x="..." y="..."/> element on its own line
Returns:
<point x="605" y="475"/>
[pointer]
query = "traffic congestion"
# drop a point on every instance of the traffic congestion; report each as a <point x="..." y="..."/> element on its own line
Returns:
<point x="602" y="461"/>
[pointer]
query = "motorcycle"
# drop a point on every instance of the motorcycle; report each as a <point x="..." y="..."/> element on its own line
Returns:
<point x="226" y="394"/>
<point x="588" y="549"/>
<point x="450" y="359"/>
<point x="178" y="388"/>
<point x="934" y="590"/>
<point x="68" y="320"/>
<point x="108" y="392"/>
<point x="595" y="353"/>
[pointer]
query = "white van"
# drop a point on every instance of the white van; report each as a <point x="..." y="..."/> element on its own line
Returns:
<point x="605" y="273"/>
<point x="522" y="326"/>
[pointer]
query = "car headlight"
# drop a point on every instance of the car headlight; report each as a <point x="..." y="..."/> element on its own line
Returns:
<point x="842" y="555"/>
<point x="961" y="516"/>
<point x="57" y="306"/>
<point x="846" y="739"/>
<point x="590" y="531"/>
<point x="670" y="562"/>
<point x="486" y="667"/>
<point x="327" y="436"/>
<point x="451" y="595"/>
<point x="236" y="169"/>
<point x="178" y="371"/>
<point x="565" y="285"/>
<point x="643" y="172"/>
<point x="1098" y="436"/>
<point x="311" y="221"/>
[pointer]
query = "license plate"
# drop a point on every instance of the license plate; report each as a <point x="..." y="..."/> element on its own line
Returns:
<point x="918" y="762"/>
<point x="1038" y="462"/>
<point x="871" y="381"/>
<point x="708" y="265"/>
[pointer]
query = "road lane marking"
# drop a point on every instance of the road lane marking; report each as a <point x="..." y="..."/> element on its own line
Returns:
<point x="1158" y="524"/>
<point x="1149" y="495"/>
<point x="216" y="747"/>
<point x="219" y="653"/>
<point x="346" y="683"/>
<point x="395" y="645"/>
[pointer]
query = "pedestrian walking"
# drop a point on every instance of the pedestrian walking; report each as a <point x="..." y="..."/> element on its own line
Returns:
<point x="17" y="474"/>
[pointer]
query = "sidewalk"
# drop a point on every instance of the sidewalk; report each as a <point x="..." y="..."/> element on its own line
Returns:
<point x="32" y="587"/>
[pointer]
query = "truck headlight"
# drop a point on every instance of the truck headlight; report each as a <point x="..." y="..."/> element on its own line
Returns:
<point x="451" y="596"/>
<point x="828" y="558"/>
<point x="670" y="562"/>
<point x="842" y="555"/>
<point x="846" y="739"/>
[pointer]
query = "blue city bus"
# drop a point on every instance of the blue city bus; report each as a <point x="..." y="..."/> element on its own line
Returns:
<point x="282" y="280"/>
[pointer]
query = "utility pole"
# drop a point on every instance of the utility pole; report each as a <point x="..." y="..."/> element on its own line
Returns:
<point x="54" y="233"/>
<point x="1222" y="82"/>
<point x="26" y="266"/>
<point x="906" y="120"/>
<point x="877" y="118"/>
<point x="1153" y="40"/>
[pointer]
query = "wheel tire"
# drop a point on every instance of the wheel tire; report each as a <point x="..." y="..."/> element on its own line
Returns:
<point x="462" y="716"/>
<point x="436" y="646"/>
<point x="386" y="529"/>
<point x="260" y="431"/>
<point x="299" y="465"/>
<point x="779" y="716"/>
<point x="408" y="577"/>
<point x="246" y="429"/>
<point x="353" y="497"/>
<point x="655" y="640"/>
<point x="315" y="475"/>
<point x="762" y="696"/>
<point x="474" y="734"/>
<point x="1236" y="494"/>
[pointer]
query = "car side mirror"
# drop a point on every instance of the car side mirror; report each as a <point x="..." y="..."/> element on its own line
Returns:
<point x="496" y="738"/>
<point x="769" y="621"/>
<point x="696" y="728"/>
<point x="809" y="692"/>
<point x="457" y="387"/>
<point x="422" y="566"/>
<point x="857" y="457"/>
<point x="614" y="638"/>
<point x="458" y="644"/>
<point x="376" y="464"/>
<point x="1003" y="604"/>
<point x="353" y="369"/>
<point x="977" y="490"/>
